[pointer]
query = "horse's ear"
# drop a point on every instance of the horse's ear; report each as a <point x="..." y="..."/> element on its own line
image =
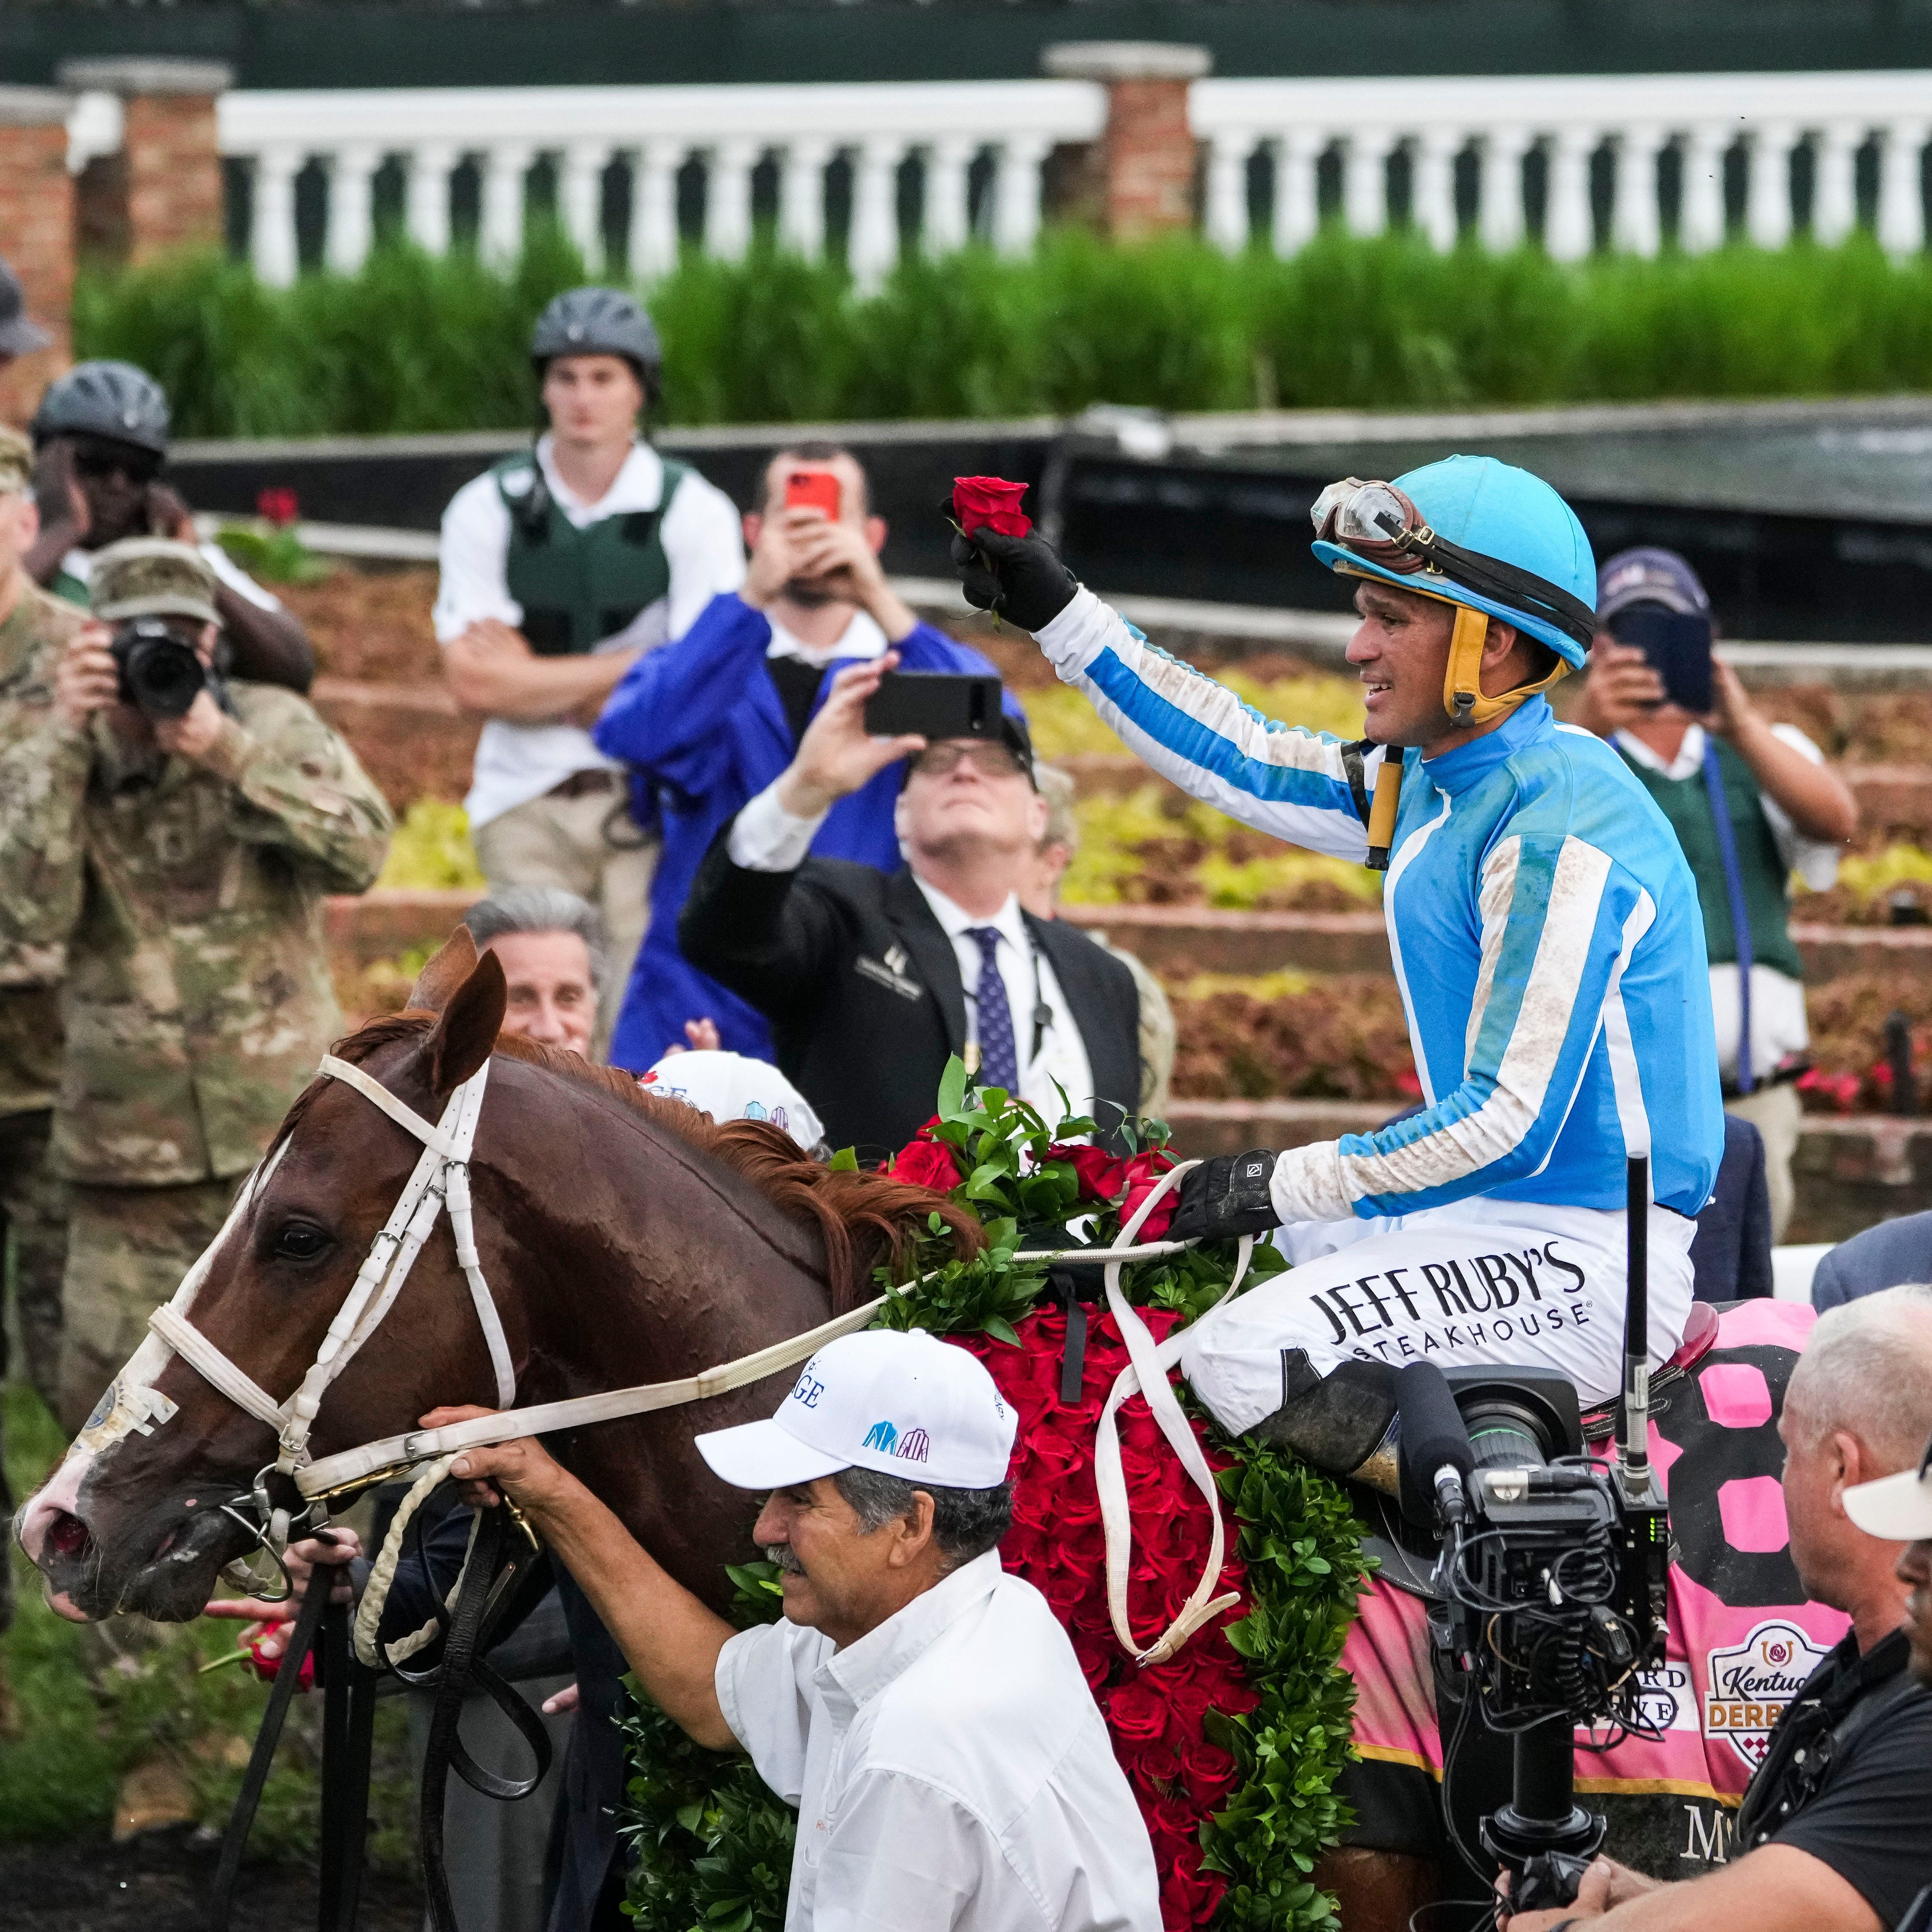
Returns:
<point x="466" y="1030"/>
<point x="438" y="981"/>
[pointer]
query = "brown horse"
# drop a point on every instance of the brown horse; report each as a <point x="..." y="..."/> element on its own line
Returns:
<point x="624" y="1240"/>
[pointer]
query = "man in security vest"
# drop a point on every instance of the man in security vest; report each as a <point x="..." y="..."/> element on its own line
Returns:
<point x="1784" y="810"/>
<point x="1544" y="932"/>
<point x="561" y="568"/>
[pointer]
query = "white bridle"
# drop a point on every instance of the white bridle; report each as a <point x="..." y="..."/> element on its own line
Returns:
<point x="441" y="1179"/>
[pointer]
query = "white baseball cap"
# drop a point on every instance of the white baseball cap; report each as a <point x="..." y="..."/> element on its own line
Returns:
<point x="904" y="1403"/>
<point x="734" y="1087"/>
<point x="1898" y="1508"/>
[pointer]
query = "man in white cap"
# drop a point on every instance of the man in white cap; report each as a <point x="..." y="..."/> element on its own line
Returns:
<point x="921" y="1707"/>
<point x="1835" y="1831"/>
<point x="734" y="1087"/>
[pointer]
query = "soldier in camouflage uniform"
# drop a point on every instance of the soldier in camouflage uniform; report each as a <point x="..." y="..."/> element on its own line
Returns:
<point x="33" y="631"/>
<point x="183" y="861"/>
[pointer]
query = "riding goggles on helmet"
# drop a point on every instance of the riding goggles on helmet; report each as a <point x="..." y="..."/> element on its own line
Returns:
<point x="1382" y="526"/>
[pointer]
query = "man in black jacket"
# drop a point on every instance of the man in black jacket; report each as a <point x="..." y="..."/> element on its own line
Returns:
<point x="871" y="980"/>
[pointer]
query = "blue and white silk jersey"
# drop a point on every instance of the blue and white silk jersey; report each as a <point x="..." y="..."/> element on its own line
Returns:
<point x="1543" y="926"/>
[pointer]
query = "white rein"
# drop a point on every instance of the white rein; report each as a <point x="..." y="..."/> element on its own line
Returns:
<point x="441" y="1179"/>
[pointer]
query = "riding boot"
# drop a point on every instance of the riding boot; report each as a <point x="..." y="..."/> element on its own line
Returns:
<point x="1344" y="1422"/>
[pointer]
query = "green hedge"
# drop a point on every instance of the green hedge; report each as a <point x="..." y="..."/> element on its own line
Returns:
<point x="415" y="344"/>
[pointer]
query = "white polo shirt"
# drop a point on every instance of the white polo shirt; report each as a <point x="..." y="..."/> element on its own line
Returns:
<point x="951" y="1768"/>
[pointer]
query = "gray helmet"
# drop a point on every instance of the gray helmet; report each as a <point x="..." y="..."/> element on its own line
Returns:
<point x="598" y="322"/>
<point x="110" y="399"/>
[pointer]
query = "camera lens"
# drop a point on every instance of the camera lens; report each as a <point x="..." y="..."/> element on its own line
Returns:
<point x="1506" y="1437"/>
<point x="159" y="672"/>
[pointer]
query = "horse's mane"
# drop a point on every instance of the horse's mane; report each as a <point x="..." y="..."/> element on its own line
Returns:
<point x="862" y="1218"/>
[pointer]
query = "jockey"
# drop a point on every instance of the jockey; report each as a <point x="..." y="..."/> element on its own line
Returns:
<point x="1545" y="934"/>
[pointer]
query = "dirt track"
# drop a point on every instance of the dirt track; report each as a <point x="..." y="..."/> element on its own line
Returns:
<point x="159" y="1882"/>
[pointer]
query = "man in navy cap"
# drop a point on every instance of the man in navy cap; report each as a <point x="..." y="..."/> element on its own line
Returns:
<point x="1750" y="802"/>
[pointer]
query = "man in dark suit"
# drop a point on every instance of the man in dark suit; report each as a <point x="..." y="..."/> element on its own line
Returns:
<point x="869" y="979"/>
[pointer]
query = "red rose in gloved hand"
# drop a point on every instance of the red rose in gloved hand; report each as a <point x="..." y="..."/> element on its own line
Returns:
<point x="990" y="503"/>
<point x="266" y="1668"/>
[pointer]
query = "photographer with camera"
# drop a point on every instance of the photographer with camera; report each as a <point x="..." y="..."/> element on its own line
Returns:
<point x="175" y="833"/>
<point x="101" y="436"/>
<point x="1835" y="1831"/>
<point x="1750" y="802"/>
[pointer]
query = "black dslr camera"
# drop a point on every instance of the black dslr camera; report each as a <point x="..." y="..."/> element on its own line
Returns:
<point x="1553" y="1571"/>
<point x="160" y="673"/>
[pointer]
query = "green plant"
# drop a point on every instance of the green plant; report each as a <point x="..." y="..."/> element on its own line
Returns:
<point x="411" y="342"/>
<point x="431" y="851"/>
<point x="276" y="555"/>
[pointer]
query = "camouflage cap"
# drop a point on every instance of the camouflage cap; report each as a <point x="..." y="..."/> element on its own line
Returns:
<point x="16" y="463"/>
<point x="151" y="577"/>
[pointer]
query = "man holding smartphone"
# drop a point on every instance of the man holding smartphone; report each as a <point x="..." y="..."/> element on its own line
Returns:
<point x="1750" y="802"/>
<point x="710" y="721"/>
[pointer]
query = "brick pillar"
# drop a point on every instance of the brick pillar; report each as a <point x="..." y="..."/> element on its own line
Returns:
<point x="164" y="189"/>
<point x="36" y="233"/>
<point x="1149" y="144"/>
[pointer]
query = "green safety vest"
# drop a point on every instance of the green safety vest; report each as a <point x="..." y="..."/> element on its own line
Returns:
<point x="579" y="586"/>
<point x="1686" y="803"/>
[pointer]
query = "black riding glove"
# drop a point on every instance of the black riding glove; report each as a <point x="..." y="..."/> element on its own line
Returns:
<point x="1027" y="583"/>
<point x="1226" y="1196"/>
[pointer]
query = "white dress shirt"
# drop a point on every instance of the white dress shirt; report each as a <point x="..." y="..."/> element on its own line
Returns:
<point x="765" y="838"/>
<point x="1779" y="1028"/>
<point x="861" y="639"/>
<point x="702" y="543"/>
<point x="950" y="1768"/>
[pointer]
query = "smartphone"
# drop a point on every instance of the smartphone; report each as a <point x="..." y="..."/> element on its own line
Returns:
<point x="1678" y="643"/>
<point x="813" y="490"/>
<point x="936" y="704"/>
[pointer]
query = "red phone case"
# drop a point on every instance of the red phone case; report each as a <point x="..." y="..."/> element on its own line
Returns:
<point x="812" y="490"/>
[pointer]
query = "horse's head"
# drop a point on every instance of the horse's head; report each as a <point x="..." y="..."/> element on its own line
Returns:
<point x="133" y="1519"/>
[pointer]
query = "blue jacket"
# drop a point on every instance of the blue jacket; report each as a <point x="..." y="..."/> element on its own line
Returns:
<point x="701" y="726"/>
<point x="1543" y="926"/>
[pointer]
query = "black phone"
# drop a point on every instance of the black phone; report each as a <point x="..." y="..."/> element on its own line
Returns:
<point x="1678" y="643"/>
<point x="936" y="704"/>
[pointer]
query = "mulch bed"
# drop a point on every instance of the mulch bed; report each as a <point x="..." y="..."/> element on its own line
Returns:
<point x="160" y="1881"/>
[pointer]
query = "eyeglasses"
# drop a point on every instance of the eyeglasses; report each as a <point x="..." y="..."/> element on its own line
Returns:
<point x="104" y="459"/>
<point x="987" y="756"/>
<point x="1377" y="523"/>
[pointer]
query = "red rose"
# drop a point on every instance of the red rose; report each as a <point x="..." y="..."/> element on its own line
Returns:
<point x="278" y="507"/>
<point x="1100" y="1174"/>
<point x="979" y="502"/>
<point x="1140" y="1174"/>
<point x="1136" y="1715"/>
<point x="925" y="1164"/>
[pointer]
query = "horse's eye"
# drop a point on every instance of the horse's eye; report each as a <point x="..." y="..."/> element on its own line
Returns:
<point x="300" y="1241"/>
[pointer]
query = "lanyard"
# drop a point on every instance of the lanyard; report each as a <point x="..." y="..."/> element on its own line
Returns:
<point x="1734" y="890"/>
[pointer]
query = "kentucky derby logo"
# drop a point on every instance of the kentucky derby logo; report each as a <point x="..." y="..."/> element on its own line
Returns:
<point x="913" y="1447"/>
<point x="1749" y="1684"/>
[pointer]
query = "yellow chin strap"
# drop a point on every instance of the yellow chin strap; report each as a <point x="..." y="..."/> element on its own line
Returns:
<point x="1462" y="696"/>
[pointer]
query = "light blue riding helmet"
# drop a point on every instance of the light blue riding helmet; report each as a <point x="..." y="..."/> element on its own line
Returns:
<point x="1542" y="575"/>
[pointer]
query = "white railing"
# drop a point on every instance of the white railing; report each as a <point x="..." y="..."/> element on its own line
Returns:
<point x="653" y="132"/>
<point x="1631" y="119"/>
<point x="1009" y="127"/>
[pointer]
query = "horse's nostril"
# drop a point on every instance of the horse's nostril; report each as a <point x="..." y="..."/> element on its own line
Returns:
<point x="68" y="1534"/>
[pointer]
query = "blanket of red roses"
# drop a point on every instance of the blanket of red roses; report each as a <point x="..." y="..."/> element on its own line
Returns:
<point x="1156" y="1715"/>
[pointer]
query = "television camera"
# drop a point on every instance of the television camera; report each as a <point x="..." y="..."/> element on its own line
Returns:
<point x="1552" y="1569"/>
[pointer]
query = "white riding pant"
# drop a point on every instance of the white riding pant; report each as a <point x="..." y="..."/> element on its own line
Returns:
<point x="1521" y="1283"/>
